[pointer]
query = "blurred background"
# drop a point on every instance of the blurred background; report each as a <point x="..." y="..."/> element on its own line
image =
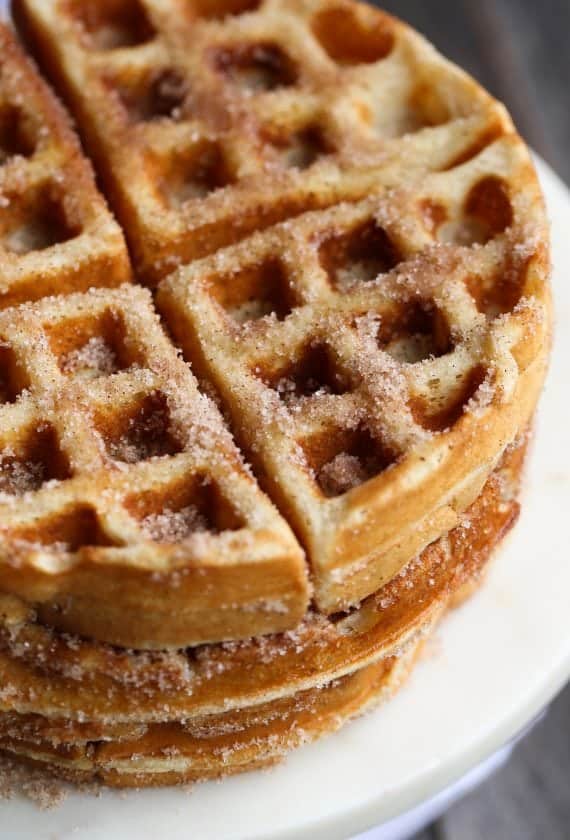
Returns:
<point x="519" y="50"/>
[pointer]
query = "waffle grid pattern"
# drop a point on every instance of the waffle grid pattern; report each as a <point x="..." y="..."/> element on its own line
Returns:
<point x="197" y="108"/>
<point x="111" y="454"/>
<point x="377" y="347"/>
<point x="378" y="353"/>
<point x="56" y="234"/>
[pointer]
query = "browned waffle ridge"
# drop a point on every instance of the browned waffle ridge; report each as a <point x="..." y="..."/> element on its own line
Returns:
<point x="376" y="409"/>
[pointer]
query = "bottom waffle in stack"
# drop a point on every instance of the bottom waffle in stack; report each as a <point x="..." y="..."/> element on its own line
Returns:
<point x="88" y="711"/>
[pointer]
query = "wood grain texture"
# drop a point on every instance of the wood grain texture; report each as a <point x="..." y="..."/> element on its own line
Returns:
<point x="519" y="50"/>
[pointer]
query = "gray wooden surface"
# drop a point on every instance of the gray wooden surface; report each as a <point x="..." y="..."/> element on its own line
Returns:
<point x="519" y="49"/>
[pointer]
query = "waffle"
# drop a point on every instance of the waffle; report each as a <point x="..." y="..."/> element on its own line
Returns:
<point x="254" y="319"/>
<point x="211" y="554"/>
<point x="192" y="110"/>
<point x="224" y="709"/>
<point x="397" y="362"/>
<point x="211" y="747"/>
<point x="56" y="234"/>
<point x="126" y="512"/>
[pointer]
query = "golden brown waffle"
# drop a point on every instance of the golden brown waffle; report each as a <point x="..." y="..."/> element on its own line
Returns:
<point x="209" y="747"/>
<point x="405" y="347"/>
<point x="41" y="668"/>
<point x="375" y="340"/>
<point x="210" y="119"/>
<point x="150" y="719"/>
<point x="56" y="234"/>
<point x="377" y="345"/>
<point x="126" y="513"/>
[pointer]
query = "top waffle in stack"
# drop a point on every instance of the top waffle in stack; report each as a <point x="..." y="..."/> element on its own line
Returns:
<point x="376" y="347"/>
<point x="375" y="353"/>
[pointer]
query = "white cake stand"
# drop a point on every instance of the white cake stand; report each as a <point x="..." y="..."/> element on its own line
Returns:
<point x="494" y="665"/>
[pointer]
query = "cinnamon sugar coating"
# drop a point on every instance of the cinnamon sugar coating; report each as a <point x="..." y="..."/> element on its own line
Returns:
<point x="232" y="507"/>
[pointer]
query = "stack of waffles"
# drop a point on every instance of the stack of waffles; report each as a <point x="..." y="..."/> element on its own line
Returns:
<point x="264" y="424"/>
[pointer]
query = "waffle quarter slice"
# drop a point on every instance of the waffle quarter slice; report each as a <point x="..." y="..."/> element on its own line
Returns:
<point x="377" y="358"/>
<point x="126" y="513"/>
<point x="212" y="120"/>
<point x="56" y="234"/>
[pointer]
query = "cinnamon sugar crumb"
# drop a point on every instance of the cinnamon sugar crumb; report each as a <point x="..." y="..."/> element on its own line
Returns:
<point x="342" y="474"/>
<point x="94" y="359"/>
<point x="483" y="396"/>
<point x="18" y="779"/>
<point x="174" y="526"/>
<point x="19" y="477"/>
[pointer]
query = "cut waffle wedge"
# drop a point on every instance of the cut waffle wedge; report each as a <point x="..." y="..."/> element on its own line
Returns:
<point x="56" y="234"/>
<point x="210" y="120"/>
<point x="126" y="513"/>
<point x="376" y="358"/>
